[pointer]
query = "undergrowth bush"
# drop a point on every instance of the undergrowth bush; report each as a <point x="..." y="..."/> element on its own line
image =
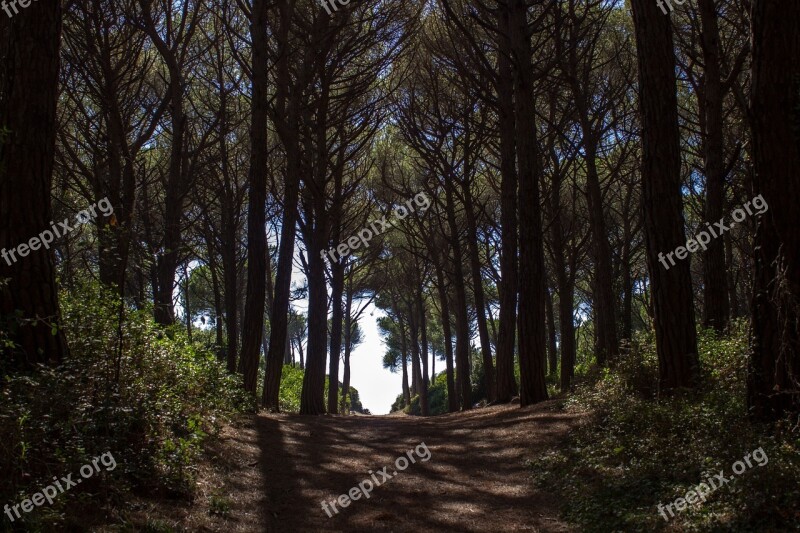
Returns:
<point x="292" y="389"/>
<point x="144" y="394"/>
<point x="437" y="398"/>
<point x="636" y="451"/>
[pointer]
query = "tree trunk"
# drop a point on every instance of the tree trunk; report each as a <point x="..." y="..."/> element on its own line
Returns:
<point x="506" y="336"/>
<point x="229" y="262"/>
<point x="28" y="93"/>
<point x="312" y="400"/>
<point x="348" y="341"/>
<point x="423" y="323"/>
<point x="231" y="282"/>
<point x="774" y="371"/>
<point x="551" y="334"/>
<point x="627" y="274"/>
<point x="253" y="326"/>
<point x="716" y="308"/>
<point x="463" y="378"/>
<point x="452" y="398"/>
<point x="566" y="293"/>
<point x="607" y="345"/>
<point x="416" y="367"/>
<point x="404" y="355"/>
<point x="283" y="276"/>
<point x="673" y="310"/>
<point x="187" y="315"/>
<point x="219" y="339"/>
<point x="731" y="274"/>
<point x="531" y="317"/>
<point x="168" y="258"/>
<point x="480" y="299"/>
<point x="408" y="392"/>
<point x="337" y="289"/>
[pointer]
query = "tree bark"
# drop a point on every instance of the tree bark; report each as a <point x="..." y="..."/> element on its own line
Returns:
<point x="404" y="355"/>
<point x="673" y="310"/>
<point x="30" y="47"/>
<point x="566" y="294"/>
<point x="287" y="126"/>
<point x="477" y="289"/>
<point x="552" y="351"/>
<point x="348" y="341"/>
<point x="416" y="367"/>
<point x="253" y="326"/>
<point x="452" y="398"/>
<point x="716" y="308"/>
<point x="463" y="378"/>
<point x="531" y="317"/>
<point x="506" y="336"/>
<point x="312" y="399"/>
<point x="774" y="370"/>
<point x="337" y="289"/>
<point x="423" y="330"/>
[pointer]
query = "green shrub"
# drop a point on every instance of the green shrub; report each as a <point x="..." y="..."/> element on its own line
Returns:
<point x="638" y="450"/>
<point x="437" y="398"/>
<point x="148" y="396"/>
<point x="292" y="389"/>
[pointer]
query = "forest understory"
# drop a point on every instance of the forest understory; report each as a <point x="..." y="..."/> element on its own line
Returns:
<point x="557" y="240"/>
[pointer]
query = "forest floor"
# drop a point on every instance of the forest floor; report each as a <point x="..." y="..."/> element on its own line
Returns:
<point x="272" y="473"/>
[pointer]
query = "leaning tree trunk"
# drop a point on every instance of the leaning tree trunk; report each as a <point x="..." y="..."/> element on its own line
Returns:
<point x="673" y="310"/>
<point x="774" y="373"/>
<point x="29" y="45"/>
<point x="279" y="315"/>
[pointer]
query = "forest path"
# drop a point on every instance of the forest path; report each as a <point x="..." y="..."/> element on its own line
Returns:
<point x="284" y="466"/>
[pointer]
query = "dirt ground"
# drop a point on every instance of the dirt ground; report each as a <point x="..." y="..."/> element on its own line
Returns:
<point x="274" y="471"/>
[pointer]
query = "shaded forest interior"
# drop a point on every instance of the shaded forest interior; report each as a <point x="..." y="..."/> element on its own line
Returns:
<point x="583" y="207"/>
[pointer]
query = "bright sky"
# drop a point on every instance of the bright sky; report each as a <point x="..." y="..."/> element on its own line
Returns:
<point x="377" y="387"/>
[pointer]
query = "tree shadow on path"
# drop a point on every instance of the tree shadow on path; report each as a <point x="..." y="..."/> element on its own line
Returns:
<point x="475" y="480"/>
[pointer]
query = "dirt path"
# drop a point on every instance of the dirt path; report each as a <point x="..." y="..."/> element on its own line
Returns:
<point x="283" y="467"/>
